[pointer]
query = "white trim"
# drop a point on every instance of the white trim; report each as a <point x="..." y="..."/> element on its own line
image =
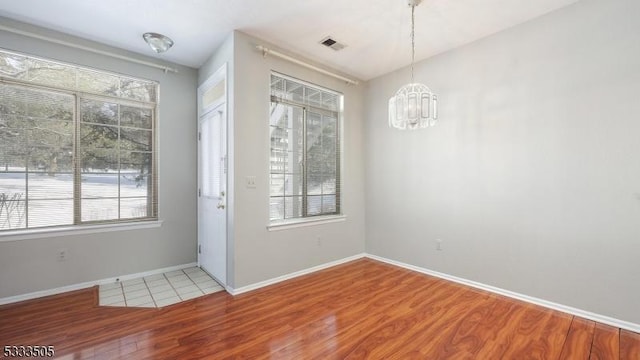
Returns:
<point x="76" y="230"/>
<point x="221" y="106"/>
<point x="292" y="275"/>
<point x="88" y="284"/>
<point x="514" y="295"/>
<point x="213" y="80"/>
<point x="308" y="221"/>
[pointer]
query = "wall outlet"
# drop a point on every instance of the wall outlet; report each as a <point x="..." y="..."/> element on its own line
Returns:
<point x="62" y="255"/>
<point x="251" y="182"/>
<point x="318" y="241"/>
<point x="439" y="244"/>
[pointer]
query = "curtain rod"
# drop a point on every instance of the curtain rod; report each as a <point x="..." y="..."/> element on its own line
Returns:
<point x="266" y="51"/>
<point x="87" y="48"/>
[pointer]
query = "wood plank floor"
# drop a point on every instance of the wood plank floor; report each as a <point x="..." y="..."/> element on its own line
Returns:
<point x="360" y="310"/>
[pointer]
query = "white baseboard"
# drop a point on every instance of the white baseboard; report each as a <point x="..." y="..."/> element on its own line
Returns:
<point x="514" y="295"/>
<point x="84" y="285"/>
<point x="292" y="275"/>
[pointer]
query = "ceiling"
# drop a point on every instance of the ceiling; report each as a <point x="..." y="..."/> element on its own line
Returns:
<point x="376" y="32"/>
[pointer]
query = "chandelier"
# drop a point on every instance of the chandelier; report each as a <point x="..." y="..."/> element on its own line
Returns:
<point x="414" y="106"/>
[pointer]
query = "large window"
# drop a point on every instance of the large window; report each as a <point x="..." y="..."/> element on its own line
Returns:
<point x="305" y="149"/>
<point x="76" y="145"/>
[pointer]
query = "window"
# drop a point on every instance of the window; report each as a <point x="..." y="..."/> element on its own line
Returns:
<point x="76" y="145"/>
<point x="305" y="150"/>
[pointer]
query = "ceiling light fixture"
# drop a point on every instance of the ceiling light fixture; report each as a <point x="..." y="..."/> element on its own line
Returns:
<point x="414" y="106"/>
<point x="158" y="42"/>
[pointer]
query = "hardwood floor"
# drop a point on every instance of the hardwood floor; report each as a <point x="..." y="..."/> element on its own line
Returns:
<point x="363" y="309"/>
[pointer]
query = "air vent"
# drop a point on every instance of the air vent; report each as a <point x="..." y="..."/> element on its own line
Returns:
<point x="331" y="43"/>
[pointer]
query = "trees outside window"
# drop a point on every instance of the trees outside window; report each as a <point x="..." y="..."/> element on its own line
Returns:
<point x="76" y="145"/>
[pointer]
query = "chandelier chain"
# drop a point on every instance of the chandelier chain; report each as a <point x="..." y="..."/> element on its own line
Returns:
<point x="413" y="37"/>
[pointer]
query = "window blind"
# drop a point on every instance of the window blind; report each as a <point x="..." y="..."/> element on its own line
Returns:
<point x="77" y="145"/>
<point x="305" y="149"/>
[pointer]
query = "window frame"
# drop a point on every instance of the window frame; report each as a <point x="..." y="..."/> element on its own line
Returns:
<point x="91" y="226"/>
<point x="323" y="217"/>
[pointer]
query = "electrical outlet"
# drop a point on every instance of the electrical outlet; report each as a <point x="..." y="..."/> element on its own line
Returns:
<point x="318" y="241"/>
<point x="439" y="244"/>
<point x="62" y="254"/>
<point x="251" y="182"/>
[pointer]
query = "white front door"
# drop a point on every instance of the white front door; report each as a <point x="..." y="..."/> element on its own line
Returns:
<point x="212" y="178"/>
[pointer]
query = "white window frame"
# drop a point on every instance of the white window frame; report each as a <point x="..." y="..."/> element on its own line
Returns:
<point x="79" y="226"/>
<point x="322" y="218"/>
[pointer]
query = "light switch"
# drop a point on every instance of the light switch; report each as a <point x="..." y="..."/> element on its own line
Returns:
<point x="251" y="182"/>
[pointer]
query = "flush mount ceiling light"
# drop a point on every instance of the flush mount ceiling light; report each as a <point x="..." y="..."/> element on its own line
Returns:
<point x="158" y="42"/>
<point x="414" y="106"/>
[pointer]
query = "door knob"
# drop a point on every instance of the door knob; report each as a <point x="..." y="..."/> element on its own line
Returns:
<point x="220" y="206"/>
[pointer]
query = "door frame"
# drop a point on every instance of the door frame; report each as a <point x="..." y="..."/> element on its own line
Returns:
<point x="221" y="104"/>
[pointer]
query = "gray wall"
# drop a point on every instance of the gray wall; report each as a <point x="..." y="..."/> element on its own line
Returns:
<point x="532" y="176"/>
<point x="260" y="254"/>
<point x="30" y="265"/>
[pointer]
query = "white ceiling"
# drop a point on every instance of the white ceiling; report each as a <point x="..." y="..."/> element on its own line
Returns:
<point x="376" y="32"/>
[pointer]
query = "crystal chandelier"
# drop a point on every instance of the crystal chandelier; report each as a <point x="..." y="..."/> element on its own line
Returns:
<point x="414" y="106"/>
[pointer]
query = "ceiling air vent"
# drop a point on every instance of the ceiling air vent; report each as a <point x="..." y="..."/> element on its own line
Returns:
<point x="331" y="43"/>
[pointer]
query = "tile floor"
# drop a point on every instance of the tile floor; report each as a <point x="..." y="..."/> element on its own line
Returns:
<point x="159" y="290"/>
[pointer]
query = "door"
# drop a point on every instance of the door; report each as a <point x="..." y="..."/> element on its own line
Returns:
<point x="212" y="177"/>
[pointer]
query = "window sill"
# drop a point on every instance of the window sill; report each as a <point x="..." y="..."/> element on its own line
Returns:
<point x="296" y="223"/>
<point x="76" y="230"/>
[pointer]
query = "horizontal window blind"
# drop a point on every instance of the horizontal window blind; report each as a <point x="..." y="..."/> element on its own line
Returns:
<point x="305" y="150"/>
<point x="76" y="145"/>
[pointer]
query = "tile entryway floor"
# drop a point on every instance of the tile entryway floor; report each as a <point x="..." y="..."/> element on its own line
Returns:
<point x="159" y="290"/>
